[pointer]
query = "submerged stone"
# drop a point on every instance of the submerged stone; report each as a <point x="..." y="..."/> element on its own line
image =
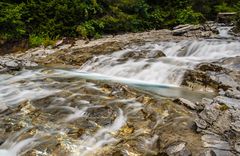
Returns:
<point x="178" y="148"/>
<point x="186" y="103"/>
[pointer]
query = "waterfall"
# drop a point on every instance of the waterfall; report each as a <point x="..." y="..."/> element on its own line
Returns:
<point x="180" y="56"/>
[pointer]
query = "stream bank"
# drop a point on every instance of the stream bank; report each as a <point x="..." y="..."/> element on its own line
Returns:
<point x="150" y="93"/>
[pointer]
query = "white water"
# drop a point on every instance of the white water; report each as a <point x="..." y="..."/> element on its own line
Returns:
<point x="224" y="31"/>
<point x="180" y="56"/>
<point x="14" y="147"/>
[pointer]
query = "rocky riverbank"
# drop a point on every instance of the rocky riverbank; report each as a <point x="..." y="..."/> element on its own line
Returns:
<point x="76" y="53"/>
<point x="61" y="113"/>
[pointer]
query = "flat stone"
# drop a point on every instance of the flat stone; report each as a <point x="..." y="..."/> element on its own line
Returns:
<point x="233" y="93"/>
<point x="216" y="152"/>
<point x="178" y="148"/>
<point x="209" y="114"/>
<point x="215" y="141"/>
<point x="237" y="146"/>
<point x="201" y="123"/>
<point x="230" y="102"/>
<point x="12" y="64"/>
<point x="208" y="153"/>
<point x="236" y="126"/>
<point x="186" y="103"/>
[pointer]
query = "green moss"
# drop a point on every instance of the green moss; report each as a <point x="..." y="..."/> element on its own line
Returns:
<point x="224" y="107"/>
<point x="35" y="40"/>
<point x="38" y="40"/>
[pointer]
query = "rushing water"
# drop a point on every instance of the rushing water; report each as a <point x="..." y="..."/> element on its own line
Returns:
<point x="224" y="31"/>
<point x="180" y="56"/>
<point x="73" y="112"/>
<point x="72" y="100"/>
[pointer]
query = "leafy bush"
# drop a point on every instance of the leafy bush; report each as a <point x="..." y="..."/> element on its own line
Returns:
<point x="38" y="40"/>
<point x="90" y="28"/>
<point x="11" y="24"/>
<point x="92" y="18"/>
<point x="188" y="16"/>
<point x="223" y="7"/>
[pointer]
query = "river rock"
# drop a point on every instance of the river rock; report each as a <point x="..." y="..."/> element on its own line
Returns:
<point x="1" y="142"/>
<point x="233" y="93"/>
<point x="210" y="26"/>
<point x="178" y="148"/>
<point x="212" y="76"/>
<point x="237" y="146"/>
<point x="215" y="141"/>
<point x="181" y="29"/>
<point x="8" y="63"/>
<point x="230" y="102"/>
<point x="188" y="30"/>
<point x="186" y="103"/>
<point x="225" y="17"/>
<point x="142" y="54"/>
<point x="216" y="152"/>
<point x="3" y="108"/>
<point x="219" y="124"/>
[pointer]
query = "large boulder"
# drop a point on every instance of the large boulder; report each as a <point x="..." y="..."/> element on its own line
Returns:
<point x="189" y="30"/>
<point x="226" y="17"/>
<point x="212" y="76"/>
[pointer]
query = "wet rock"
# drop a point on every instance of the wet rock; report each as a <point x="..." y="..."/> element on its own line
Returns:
<point x="216" y="152"/>
<point x="209" y="115"/>
<point x="236" y="126"/>
<point x="156" y="54"/>
<point x="181" y="29"/>
<point x="202" y="124"/>
<point x="220" y="127"/>
<point x="211" y="76"/>
<point x="210" y="67"/>
<point x="186" y="103"/>
<point x="143" y="54"/>
<point x="233" y="93"/>
<point x="1" y="142"/>
<point x="199" y="80"/>
<point x="215" y="141"/>
<point x="231" y="62"/>
<point x="230" y="102"/>
<point x="3" y="107"/>
<point x="210" y="26"/>
<point x="206" y="101"/>
<point x="188" y="30"/>
<point x="8" y="63"/>
<point x="237" y="146"/>
<point x="178" y="148"/>
<point x="208" y="153"/>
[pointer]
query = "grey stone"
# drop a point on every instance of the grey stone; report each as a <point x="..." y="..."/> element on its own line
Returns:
<point x="215" y="141"/>
<point x="230" y="102"/>
<point x="12" y="64"/>
<point x="186" y="103"/>
<point x="237" y="146"/>
<point x="236" y="126"/>
<point x="209" y="114"/>
<point x="3" y="108"/>
<point x="208" y="153"/>
<point x="201" y="123"/>
<point x="180" y="30"/>
<point x="178" y="148"/>
<point x="233" y="93"/>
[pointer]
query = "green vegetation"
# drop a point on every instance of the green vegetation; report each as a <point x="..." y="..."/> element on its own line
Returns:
<point x="42" y="21"/>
